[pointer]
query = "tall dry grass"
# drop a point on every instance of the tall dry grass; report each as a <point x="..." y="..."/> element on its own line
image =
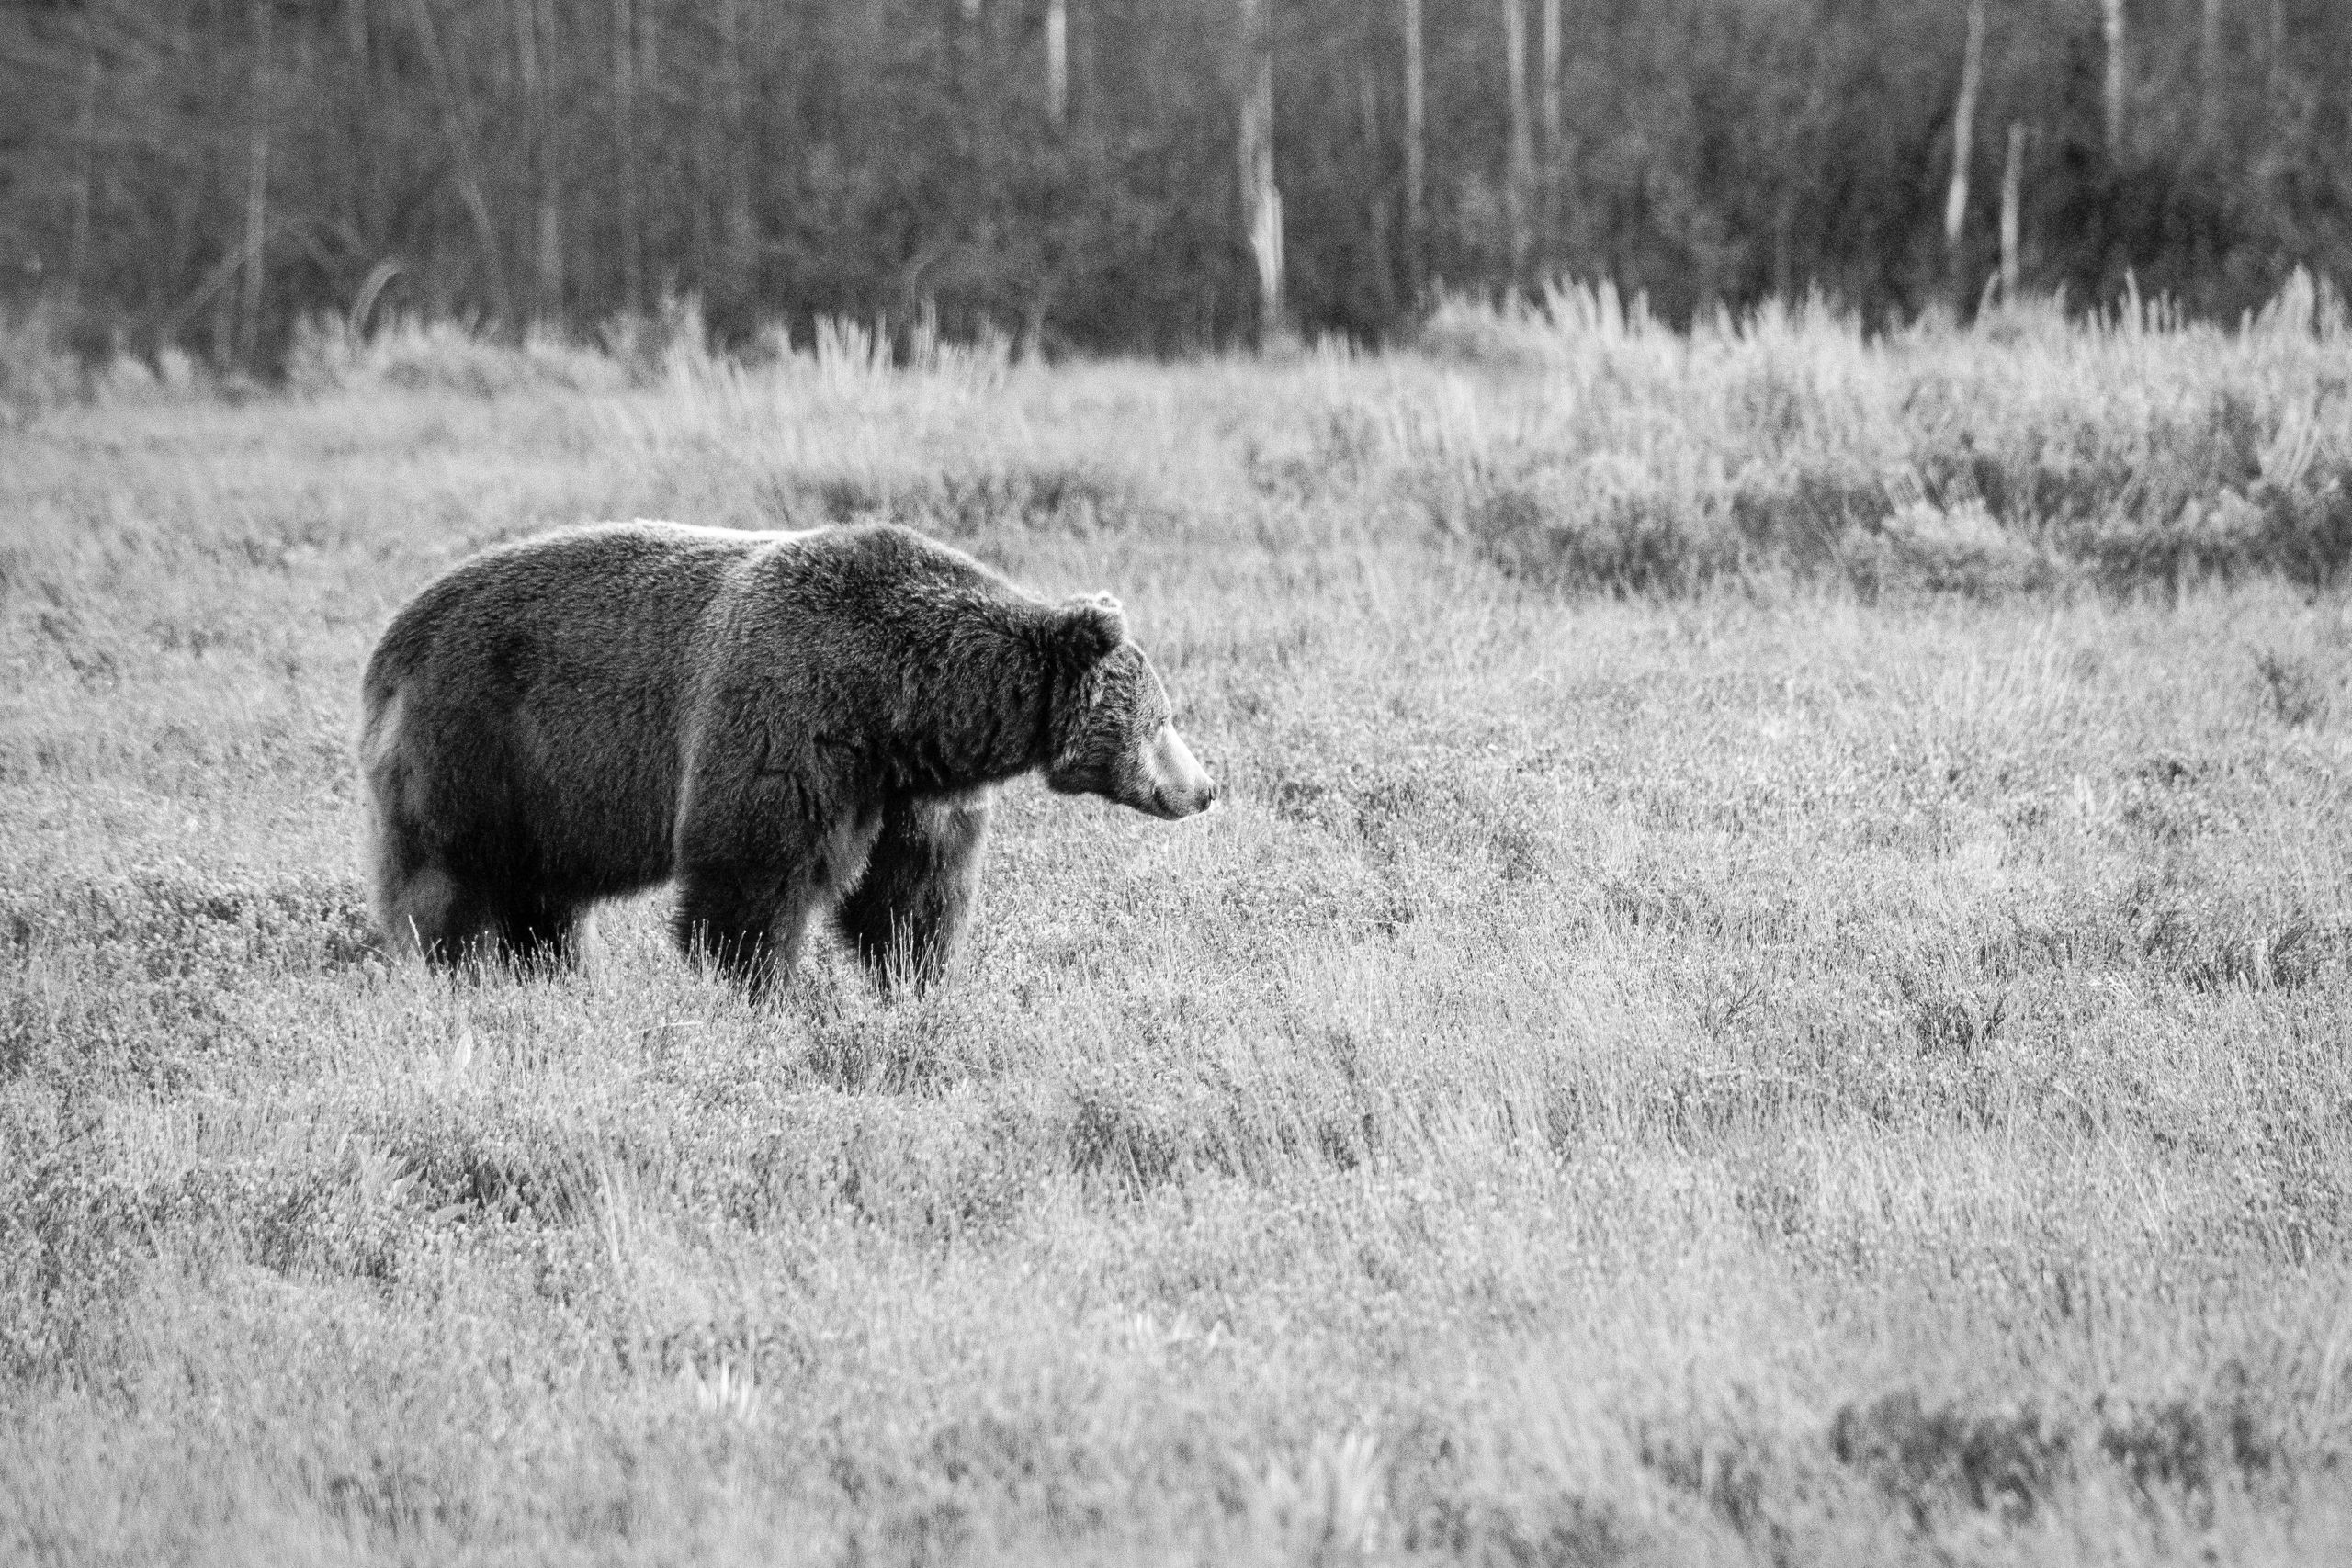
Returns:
<point x="1782" y="1061"/>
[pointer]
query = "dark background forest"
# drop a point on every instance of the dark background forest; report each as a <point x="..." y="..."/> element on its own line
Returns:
<point x="1089" y="173"/>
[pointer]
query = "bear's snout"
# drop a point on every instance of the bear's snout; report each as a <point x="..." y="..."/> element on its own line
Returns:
<point x="1177" y="785"/>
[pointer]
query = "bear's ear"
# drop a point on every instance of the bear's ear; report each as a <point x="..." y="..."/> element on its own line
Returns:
<point x="1092" y="625"/>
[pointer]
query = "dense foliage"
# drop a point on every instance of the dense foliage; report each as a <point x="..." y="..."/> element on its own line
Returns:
<point x="208" y="171"/>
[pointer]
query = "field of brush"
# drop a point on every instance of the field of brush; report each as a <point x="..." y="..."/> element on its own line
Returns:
<point x="1772" y="986"/>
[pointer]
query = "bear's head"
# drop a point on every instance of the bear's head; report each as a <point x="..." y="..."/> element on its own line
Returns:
<point x="1111" y="728"/>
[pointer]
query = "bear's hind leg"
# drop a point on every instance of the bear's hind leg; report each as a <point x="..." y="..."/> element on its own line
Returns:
<point x="435" y="914"/>
<point x="907" y="918"/>
<point x="422" y="906"/>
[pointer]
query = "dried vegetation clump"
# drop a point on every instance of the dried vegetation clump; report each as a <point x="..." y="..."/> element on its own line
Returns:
<point x="2126" y="452"/>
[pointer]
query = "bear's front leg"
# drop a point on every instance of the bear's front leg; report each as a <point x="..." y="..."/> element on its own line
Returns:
<point x="747" y="921"/>
<point x="907" y="915"/>
<point x="750" y="873"/>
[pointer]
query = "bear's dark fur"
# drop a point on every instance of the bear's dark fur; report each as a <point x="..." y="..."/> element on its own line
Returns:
<point x="785" y="724"/>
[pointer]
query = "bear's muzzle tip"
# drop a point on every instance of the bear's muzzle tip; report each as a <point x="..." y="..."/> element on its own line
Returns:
<point x="1200" y="803"/>
<point x="1181" y="787"/>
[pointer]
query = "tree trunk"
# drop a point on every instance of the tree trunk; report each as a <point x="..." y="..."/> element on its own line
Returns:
<point x="1376" y="205"/>
<point x="461" y="147"/>
<point x="534" y="43"/>
<point x="1057" y="61"/>
<point x="366" y="189"/>
<point x="547" y="235"/>
<point x="1262" y="200"/>
<point x="737" y="237"/>
<point x="1555" y="156"/>
<point x="1519" y="178"/>
<point x="2274" y="75"/>
<point x="85" y="132"/>
<point x="2113" y="20"/>
<point x="212" y="291"/>
<point x="1784" y="223"/>
<point x="2209" y="68"/>
<point x="2012" y="196"/>
<point x="624" y="110"/>
<point x="1963" y="137"/>
<point x="1416" y="143"/>
<point x="256" y="192"/>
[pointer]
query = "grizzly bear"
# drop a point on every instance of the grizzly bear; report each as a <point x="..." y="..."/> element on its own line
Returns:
<point x="785" y="724"/>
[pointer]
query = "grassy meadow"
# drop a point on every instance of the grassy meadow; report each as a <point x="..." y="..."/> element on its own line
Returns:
<point x="1774" y="984"/>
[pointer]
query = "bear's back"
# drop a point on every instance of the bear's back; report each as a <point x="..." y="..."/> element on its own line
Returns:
<point x="599" y="591"/>
<point x="618" y="606"/>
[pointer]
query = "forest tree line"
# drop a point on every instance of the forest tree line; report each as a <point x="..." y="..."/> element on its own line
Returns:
<point x="1149" y="175"/>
